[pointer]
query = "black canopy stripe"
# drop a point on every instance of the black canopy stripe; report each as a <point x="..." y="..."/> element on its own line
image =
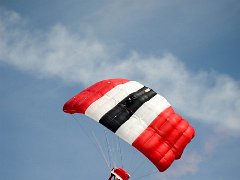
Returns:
<point x="118" y="115"/>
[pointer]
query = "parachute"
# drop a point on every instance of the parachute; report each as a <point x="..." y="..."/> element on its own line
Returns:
<point x="138" y="115"/>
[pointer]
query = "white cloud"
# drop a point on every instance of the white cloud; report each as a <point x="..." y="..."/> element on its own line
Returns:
<point x="188" y="165"/>
<point x="206" y="96"/>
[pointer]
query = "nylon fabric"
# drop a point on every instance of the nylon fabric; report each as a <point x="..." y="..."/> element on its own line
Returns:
<point x="138" y="115"/>
<point x="126" y="108"/>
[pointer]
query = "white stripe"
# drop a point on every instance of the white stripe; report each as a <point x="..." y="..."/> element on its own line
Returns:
<point x="142" y="118"/>
<point x="101" y="106"/>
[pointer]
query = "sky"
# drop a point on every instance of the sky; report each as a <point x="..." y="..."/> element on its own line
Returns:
<point x="187" y="51"/>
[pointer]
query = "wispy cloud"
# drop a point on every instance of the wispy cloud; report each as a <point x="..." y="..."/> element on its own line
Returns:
<point x="206" y="96"/>
<point x="189" y="165"/>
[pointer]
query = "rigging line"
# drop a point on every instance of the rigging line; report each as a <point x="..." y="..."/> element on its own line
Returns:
<point x="101" y="150"/>
<point x="116" y="151"/>
<point x="108" y="148"/>
<point x="132" y="155"/>
<point x="120" y="151"/>
<point x="138" y="166"/>
<point x="146" y="175"/>
<point x="84" y="131"/>
<point x="92" y="141"/>
<point x="112" y="143"/>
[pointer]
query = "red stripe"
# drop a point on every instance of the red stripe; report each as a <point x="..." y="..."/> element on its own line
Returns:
<point x="80" y="102"/>
<point x="164" y="139"/>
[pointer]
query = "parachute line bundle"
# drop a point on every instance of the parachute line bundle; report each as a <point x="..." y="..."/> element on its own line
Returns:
<point x="138" y="115"/>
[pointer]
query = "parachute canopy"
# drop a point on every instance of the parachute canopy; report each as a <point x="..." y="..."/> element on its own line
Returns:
<point x="138" y="115"/>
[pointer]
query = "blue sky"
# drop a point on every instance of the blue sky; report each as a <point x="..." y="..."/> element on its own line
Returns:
<point x="187" y="51"/>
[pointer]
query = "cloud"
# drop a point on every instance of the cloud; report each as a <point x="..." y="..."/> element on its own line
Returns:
<point x="188" y="165"/>
<point x="58" y="53"/>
